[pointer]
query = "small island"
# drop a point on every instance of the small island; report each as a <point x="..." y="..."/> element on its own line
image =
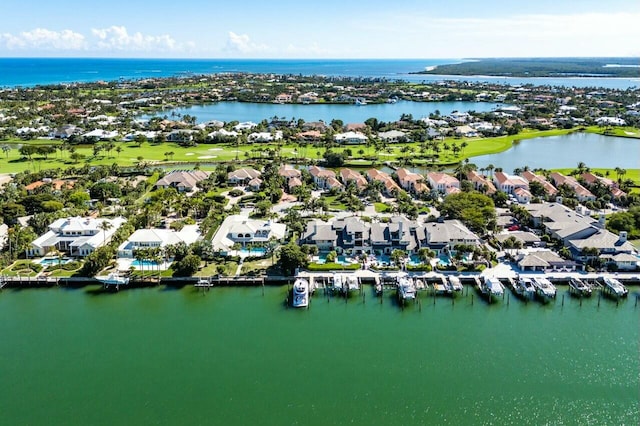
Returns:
<point x="542" y="67"/>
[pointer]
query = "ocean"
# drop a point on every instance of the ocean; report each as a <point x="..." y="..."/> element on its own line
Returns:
<point x="27" y="72"/>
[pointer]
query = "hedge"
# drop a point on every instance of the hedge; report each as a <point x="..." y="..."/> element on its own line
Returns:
<point x="333" y="267"/>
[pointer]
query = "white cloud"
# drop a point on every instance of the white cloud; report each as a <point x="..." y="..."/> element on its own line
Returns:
<point x="241" y="43"/>
<point x="44" y="39"/>
<point x="118" y="38"/>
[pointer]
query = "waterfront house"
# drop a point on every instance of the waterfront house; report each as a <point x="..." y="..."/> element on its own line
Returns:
<point x="390" y="187"/>
<point x="527" y="239"/>
<point x="222" y="134"/>
<point x="591" y="179"/>
<point x="265" y="136"/>
<point x="442" y="237"/>
<point x="348" y="175"/>
<point x="243" y="176"/>
<point x="582" y="193"/>
<point x="322" y="177"/>
<point x="66" y="131"/>
<point x="544" y="261"/>
<point x="320" y="234"/>
<point x="283" y="98"/>
<point x="351" y="138"/>
<point x="623" y="261"/>
<point x="241" y="230"/>
<point x="411" y="182"/>
<point x="395" y="235"/>
<point x="245" y="125"/>
<point x="310" y="135"/>
<point x="318" y="126"/>
<point x="508" y="183"/>
<point x="466" y="132"/>
<point x="481" y="183"/>
<point x="180" y="136"/>
<point x="182" y="180"/>
<point x="549" y="189"/>
<point x="353" y="235"/>
<point x="100" y="134"/>
<point x="443" y="183"/>
<point x="157" y="238"/>
<point x="355" y="127"/>
<point x="77" y="236"/>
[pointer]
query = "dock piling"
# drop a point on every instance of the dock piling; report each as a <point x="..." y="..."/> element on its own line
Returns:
<point x="508" y="299"/>
<point x="636" y="304"/>
<point x="472" y="300"/>
<point x="563" y="300"/>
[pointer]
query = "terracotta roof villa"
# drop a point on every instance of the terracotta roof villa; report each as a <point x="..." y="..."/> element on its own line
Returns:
<point x="182" y="180"/>
<point x="549" y="189"/>
<point x="411" y="181"/>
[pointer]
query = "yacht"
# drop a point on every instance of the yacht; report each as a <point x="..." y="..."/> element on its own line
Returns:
<point x="544" y="288"/>
<point x="492" y="287"/>
<point x="579" y="287"/>
<point x="455" y="284"/>
<point x="300" y="293"/>
<point x="524" y="288"/>
<point x="420" y="285"/>
<point x="337" y="282"/>
<point x="406" y="289"/>
<point x="615" y="287"/>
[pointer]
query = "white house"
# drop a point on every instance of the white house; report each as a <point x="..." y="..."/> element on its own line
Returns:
<point x="157" y="238"/>
<point x="245" y="231"/>
<point x="351" y="138"/>
<point x="78" y="236"/>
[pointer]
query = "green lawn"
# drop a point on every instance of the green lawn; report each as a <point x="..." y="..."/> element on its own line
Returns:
<point x="257" y="267"/>
<point x="150" y="153"/>
<point x="211" y="269"/>
<point x="381" y="207"/>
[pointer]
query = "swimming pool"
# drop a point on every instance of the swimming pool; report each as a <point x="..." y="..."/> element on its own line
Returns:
<point x="144" y="264"/>
<point x="49" y="261"/>
<point x="322" y="259"/>
<point x="255" y="251"/>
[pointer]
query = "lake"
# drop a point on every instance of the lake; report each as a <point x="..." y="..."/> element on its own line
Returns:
<point x="234" y="356"/>
<point x="256" y="112"/>
<point x="567" y="151"/>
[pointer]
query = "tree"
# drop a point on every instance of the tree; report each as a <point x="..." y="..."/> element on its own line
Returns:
<point x="187" y="266"/>
<point x="397" y="256"/>
<point x="105" y="225"/>
<point x="291" y="258"/>
<point x="475" y="210"/>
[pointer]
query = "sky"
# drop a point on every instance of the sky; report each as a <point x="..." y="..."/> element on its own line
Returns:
<point x="320" y="29"/>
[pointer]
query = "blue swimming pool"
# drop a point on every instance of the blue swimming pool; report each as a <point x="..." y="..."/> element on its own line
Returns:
<point x="49" y="261"/>
<point x="339" y="259"/>
<point x="255" y="251"/>
<point x="144" y="264"/>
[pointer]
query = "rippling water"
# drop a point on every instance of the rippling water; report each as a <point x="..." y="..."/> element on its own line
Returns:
<point x="234" y="356"/>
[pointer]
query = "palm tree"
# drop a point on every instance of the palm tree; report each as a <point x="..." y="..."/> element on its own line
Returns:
<point x="105" y="225"/>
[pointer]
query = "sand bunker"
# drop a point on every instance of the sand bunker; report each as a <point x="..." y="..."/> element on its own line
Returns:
<point x="206" y="157"/>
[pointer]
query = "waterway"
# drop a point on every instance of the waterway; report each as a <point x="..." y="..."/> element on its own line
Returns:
<point x="256" y="112"/>
<point x="567" y="151"/>
<point x="234" y="356"/>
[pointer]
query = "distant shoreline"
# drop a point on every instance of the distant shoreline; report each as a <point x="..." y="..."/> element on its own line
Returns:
<point x="540" y="67"/>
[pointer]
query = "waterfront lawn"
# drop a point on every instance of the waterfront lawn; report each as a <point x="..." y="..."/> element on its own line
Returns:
<point x="258" y="266"/>
<point x="23" y="268"/>
<point x="228" y="268"/>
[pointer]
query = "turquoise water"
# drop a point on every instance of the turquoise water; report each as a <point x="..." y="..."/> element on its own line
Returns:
<point x="33" y="71"/>
<point x="234" y="356"/>
<point x="257" y="251"/>
<point x="144" y="264"/>
<point x="48" y="261"/>
<point x="322" y="258"/>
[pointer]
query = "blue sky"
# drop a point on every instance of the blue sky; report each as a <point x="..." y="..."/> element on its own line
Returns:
<point x="323" y="29"/>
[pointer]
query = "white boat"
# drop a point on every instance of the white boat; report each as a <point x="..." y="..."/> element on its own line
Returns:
<point x="406" y="288"/>
<point x="337" y="282"/>
<point x="579" y="287"/>
<point x="441" y="287"/>
<point x="544" y="288"/>
<point x="351" y="283"/>
<point x="492" y="287"/>
<point x="113" y="279"/>
<point x="455" y="284"/>
<point x="524" y="288"/>
<point x="615" y="287"/>
<point x="420" y="285"/>
<point x="360" y="101"/>
<point x="300" y="293"/>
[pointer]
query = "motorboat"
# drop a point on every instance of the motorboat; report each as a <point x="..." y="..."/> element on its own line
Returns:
<point x="524" y="287"/>
<point x="337" y="282"/>
<point x="615" y="287"/>
<point x="544" y="289"/>
<point x="492" y="287"/>
<point x="113" y="279"/>
<point x="420" y="285"/>
<point x="579" y="287"/>
<point x="441" y="287"/>
<point x="300" y="293"/>
<point x="406" y="288"/>
<point x="351" y="283"/>
<point x="455" y="284"/>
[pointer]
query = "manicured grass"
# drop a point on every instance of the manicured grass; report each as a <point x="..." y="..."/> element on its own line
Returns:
<point x="257" y="267"/>
<point x="633" y="174"/>
<point x="381" y="207"/>
<point x="333" y="267"/>
<point x="334" y="204"/>
<point x="205" y="154"/>
<point x="211" y="269"/>
<point x="625" y="132"/>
